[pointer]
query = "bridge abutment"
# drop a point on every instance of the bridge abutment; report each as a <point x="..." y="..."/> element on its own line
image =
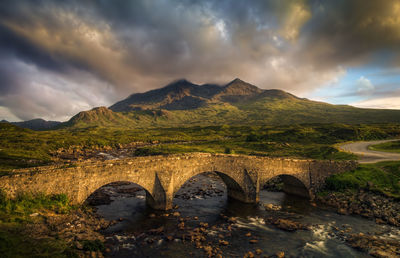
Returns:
<point x="242" y="196"/>
<point x="241" y="187"/>
<point x="159" y="202"/>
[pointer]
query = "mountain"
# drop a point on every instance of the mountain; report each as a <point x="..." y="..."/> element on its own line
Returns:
<point x="183" y="103"/>
<point x="101" y="116"/>
<point x="37" y="124"/>
<point x="179" y="95"/>
<point x="184" y="95"/>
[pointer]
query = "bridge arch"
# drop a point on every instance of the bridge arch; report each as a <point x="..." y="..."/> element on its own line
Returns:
<point x="150" y="200"/>
<point x="292" y="185"/>
<point x="238" y="185"/>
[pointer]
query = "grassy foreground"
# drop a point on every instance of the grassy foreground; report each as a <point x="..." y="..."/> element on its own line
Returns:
<point x="382" y="178"/>
<point x="16" y="214"/>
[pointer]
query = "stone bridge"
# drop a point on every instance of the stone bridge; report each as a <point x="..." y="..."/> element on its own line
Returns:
<point x="162" y="176"/>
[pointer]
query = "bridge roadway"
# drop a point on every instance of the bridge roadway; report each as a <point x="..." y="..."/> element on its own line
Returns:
<point x="162" y="176"/>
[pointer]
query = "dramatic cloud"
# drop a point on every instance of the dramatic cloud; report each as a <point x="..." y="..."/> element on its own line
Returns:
<point x="365" y="86"/>
<point x="59" y="57"/>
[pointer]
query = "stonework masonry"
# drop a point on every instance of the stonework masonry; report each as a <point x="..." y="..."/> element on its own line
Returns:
<point x="162" y="176"/>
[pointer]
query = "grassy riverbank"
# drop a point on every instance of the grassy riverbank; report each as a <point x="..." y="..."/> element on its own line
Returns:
<point x="382" y="178"/>
<point x="16" y="218"/>
<point x="48" y="226"/>
<point x="387" y="146"/>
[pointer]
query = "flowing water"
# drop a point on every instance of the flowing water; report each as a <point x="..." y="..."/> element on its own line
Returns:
<point x="142" y="232"/>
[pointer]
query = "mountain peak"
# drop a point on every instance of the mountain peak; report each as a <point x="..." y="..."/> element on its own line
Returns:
<point x="182" y="80"/>
<point x="180" y="83"/>
<point x="239" y="87"/>
<point x="237" y="80"/>
<point x="101" y="109"/>
<point x="98" y="116"/>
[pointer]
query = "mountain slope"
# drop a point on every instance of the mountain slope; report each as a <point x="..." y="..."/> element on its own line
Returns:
<point x="100" y="116"/>
<point x="183" y="103"/>
<point x="37" y="124"/>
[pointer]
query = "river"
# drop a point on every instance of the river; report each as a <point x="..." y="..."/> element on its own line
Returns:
<point x="233" y="228"/>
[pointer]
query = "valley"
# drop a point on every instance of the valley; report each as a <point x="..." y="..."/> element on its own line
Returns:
<point x="236" y="120"/>
<point x="213" y="128"/>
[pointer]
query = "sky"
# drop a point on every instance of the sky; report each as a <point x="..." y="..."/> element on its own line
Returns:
<point x="58" y="58"/>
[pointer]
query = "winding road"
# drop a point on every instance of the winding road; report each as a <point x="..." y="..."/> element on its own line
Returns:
<point x="366" y="155"/>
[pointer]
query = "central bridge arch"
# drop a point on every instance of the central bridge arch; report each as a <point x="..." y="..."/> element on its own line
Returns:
<point x="237" y="187"/>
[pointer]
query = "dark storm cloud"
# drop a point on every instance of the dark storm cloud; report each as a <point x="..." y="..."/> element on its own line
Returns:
<point x="12" y="44"/>
<point x="345" y="31"/>
<point x="86" y="51"/>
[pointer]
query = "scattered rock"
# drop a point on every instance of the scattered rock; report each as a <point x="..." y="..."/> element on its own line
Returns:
<point x="272" y="207"/>
<point x="204" y="224"/>
<point x="156" y="231"/>
<point x="253" y="241"/>
<point x="181" y="225"/>
<point x="374" y="246"/>
<point x="223" y="242"/>
<point x="287" y="224"/>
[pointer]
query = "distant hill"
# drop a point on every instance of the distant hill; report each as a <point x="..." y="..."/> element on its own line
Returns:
<point x="36" y="124"/>
<point x="101" y="116"/>
<point x="183" y="103"/>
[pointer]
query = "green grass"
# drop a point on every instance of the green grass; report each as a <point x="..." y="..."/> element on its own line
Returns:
<point x="26" y="148"/>
<point x="387" y="147"/>
<point x="382" y="177"/>
<point x="14" y="216"/>
<point x="13" y="245"/>
<point x="20" y="208"/>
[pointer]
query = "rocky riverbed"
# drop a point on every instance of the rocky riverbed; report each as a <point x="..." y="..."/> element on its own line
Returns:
<point x="205" y="223"/>
<point x="380" y="208"/>
<point x="80" y="229"/>
<point x="83" y="153"/>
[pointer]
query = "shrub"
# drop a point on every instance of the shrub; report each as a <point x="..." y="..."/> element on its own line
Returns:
<point x="92" y="245"/>
<point x="228" y="151"/>
<point x="338" y="183"/>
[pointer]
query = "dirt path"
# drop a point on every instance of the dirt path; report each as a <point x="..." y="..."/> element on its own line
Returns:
<point x="369" y="156"/>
